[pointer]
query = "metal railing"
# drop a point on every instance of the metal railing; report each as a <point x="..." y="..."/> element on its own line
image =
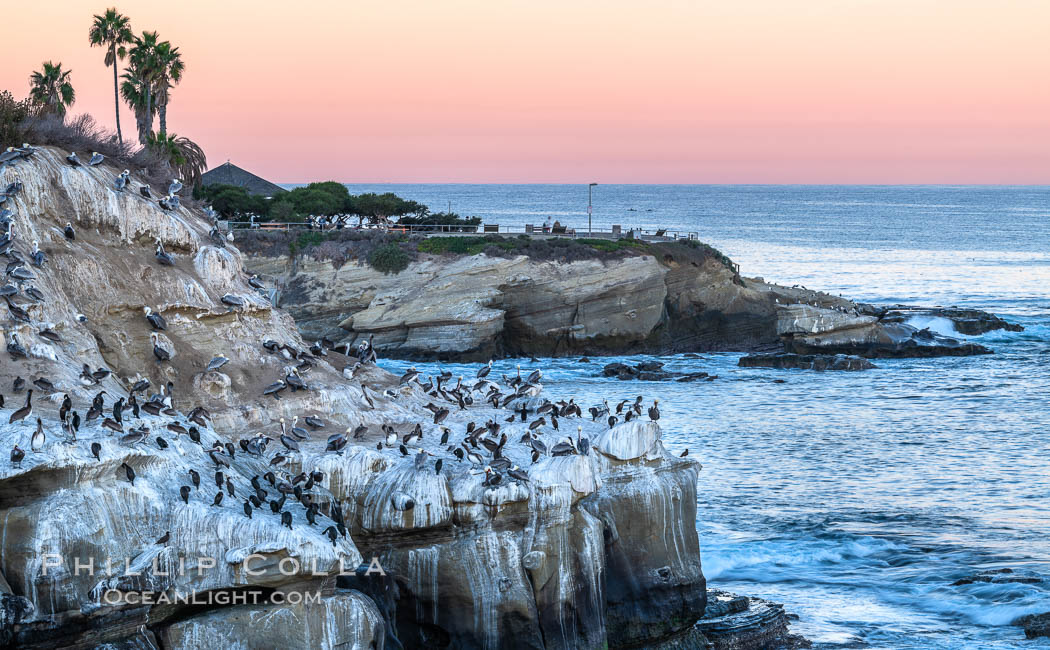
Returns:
<point x="530" y="230"/>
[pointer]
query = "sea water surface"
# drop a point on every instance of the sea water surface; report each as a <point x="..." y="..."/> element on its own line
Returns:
<point x="857" y="499"/>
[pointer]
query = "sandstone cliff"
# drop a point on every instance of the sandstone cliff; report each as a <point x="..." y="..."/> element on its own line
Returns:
<point x="675" y="297"/>
<point x="476" y="307"/>
<point x="595" y="549"/>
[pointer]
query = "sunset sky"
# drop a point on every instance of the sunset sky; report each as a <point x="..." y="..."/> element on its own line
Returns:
<point x="743" y="91"/>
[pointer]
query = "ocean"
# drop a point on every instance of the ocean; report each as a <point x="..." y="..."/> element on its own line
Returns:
<point x="856" y="499"/>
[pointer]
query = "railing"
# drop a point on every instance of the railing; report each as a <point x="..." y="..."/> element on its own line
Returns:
<point x="614" y="232"/>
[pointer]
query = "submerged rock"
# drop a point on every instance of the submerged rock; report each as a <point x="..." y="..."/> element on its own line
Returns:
<point x="786" y="360"/>
<point x="650" y="371"/>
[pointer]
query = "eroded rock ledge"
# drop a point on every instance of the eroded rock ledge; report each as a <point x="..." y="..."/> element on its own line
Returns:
<point x="473" y="308"/>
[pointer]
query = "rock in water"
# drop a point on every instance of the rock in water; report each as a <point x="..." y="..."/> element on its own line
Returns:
<point x="805" y="361"/>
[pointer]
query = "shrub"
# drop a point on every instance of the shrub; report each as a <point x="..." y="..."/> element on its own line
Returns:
<point x="12" y="114"/>
<point x="389" y="258"/>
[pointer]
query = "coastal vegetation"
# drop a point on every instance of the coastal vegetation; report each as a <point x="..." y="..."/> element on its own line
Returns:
<point x="327" y="199"/>
<point x="112" y="30"/>
<point x="341" y="246"/>
<point x="154" y="67"/>
<point x="50" y="89"/>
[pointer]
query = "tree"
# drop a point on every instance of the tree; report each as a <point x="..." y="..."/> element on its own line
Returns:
<point x="233" y="201"/>
<point x="134" y="90"/>
<point x="168" y="72"/>
<point x="12" y="114"/>
<point x="112" y="30"/>
<point x="51" y="89"/>
<point x="380" y="206"/>
<point x="139" y="80"/>
<point x="184" y="155"/>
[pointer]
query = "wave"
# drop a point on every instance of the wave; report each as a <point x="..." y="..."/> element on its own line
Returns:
<point x="936" y="324"/>
<point x="798" y="556"/>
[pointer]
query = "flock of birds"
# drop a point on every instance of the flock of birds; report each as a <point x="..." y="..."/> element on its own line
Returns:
<point x="145" y="418"/>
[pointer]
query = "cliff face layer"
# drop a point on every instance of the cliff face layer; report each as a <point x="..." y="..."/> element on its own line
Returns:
<point x="104" y="528"/>
<point x="476" y="307"/>
<point x="674" y="299"/>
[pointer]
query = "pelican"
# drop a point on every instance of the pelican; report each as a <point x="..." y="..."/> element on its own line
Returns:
<point x="163" y="256"/>
<point x="158" y="351"/>
<point x="232" y="300"/>
<point x="217" y="363"/>
<point x="38" y="258"/>
<point x="175" y="187"/>
<point x="144" y="191"/>
<point x="73" y="160"/>
<point x="96" y="159"/>
<point x="121" y="181"/>
<point x="155" y="320"/>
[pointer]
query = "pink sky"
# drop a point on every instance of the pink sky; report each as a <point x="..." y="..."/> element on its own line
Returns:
<point x="682" y="91"/>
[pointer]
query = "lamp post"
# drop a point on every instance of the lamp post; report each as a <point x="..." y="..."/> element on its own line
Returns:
<point x="589" y="188"/>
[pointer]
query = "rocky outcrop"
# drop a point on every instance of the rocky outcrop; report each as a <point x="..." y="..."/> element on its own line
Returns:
<point x="806" y="329"/>
<point x="593" y="550"/>
<point x="476" y="307"/>
<point x="968" y="322"/>
<point x="821" y="362"/>
<point x="676" y="299"/>
<point x="651" y="371"/>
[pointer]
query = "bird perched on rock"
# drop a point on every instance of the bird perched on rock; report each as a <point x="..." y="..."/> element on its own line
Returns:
<point x="73" y="160"/>
<point x="121" y="181"/>
<point x="654" y="411"/>
<point x="17" y="455"/>
<point x="96" y="159"/>
<point x="68" y="232"/>
<point x="156" y="321"/>
<point x="158" y="351"/>
<point x="163" y="256"/>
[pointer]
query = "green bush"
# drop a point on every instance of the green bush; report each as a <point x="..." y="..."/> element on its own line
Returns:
<point x="389" y="258"/>
<point x="12" y="114"/>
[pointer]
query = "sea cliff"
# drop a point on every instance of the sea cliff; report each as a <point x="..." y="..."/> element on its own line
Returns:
<point x="594" y="548"/>
<point x="652" y="298"/>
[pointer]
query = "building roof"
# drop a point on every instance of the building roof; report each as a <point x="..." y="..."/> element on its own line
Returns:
<point x="230" y="174"/>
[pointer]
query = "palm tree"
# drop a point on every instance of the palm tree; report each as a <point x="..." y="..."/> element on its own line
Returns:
<point x="50" y="88"/>
<point x="134" y="90"/>
<point x="112" y="30"/>
<point x="184" y="155"/>
<point x="169" y="68"/>
<point x="139" y="81"/>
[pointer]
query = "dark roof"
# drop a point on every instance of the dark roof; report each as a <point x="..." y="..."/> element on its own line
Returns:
<point x="230" y="174"/>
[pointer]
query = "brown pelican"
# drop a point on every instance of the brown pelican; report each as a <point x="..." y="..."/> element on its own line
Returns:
<point x="175" y="187"/>
<point x="158" y="351"/>
<point x="23" y="412"/>
<point x="96" y="159"/>
<point x="37" y="257"/>
<point x="654" y="412"/>
<point x="121" y="181"/>
<point x="17" y="454"/>
<point x="155" y="320"/>
<point x="163" y="256"/>
<point x="73" y="160"/>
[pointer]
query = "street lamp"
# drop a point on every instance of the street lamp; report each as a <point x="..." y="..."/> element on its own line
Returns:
<point x="589" y="188"/>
